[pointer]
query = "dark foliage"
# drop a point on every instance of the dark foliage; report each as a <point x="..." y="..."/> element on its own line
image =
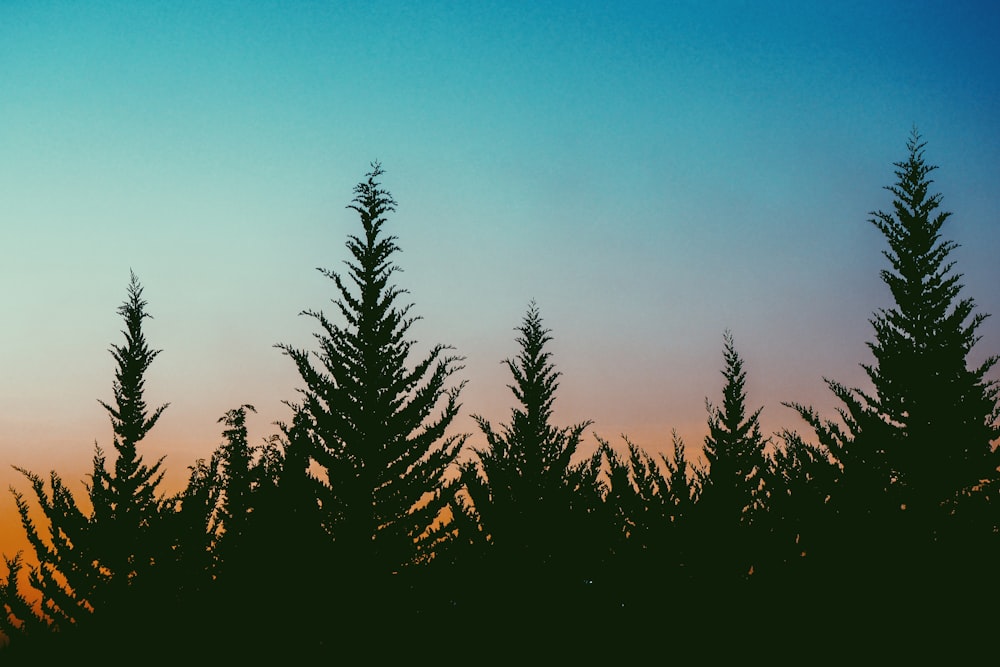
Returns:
<point x="357" y="530"/>
<point x="913" y="454"/>
<point x="529" y="496"/>
<point x="732" y="495"/>
<point x="105" y="572"/>
<point x="369" y="447"/>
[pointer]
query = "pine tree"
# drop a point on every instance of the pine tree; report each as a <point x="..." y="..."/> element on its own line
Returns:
<point x="18" y="619"/>
<point x="100" y="566"/>
<point x="683" y="486"/>
<point x="651" y="496"/>
<point x="66" y="578"/>
<point x="921" y="439"/>
<point x="236" y="465"/>
<point x="734" y="447"/>
<point x="127" y="507"/>
<point x="238" y="528"/>
<point x="648" y="505"/>
<point x="799" y="521"/>
<point x="366" y="418"/>
<point x="527" y="491"/>
<point x="945" y="412"/>
<point x="193" y="563"/>
<point x="637" y="500"/>
<point x="731" y="491"/>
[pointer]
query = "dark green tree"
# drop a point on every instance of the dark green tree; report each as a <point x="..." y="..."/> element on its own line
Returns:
<point x="192" y="568"/>
<point x="237" y="528"/>
<point x="922" y="438"/>
<point x="654" y="499"/>
<point x="650" y="501"/>
<point x="101" y="565"/>
<point x="217" y="505"/>
<point x="734" y="448"/>
<point x="367" y="420"/>
<point x="18" y="618"/>
<point x="66" y="578"/>
<point x="127" y="504"/>
<point x="653" y="505"/>
<point x="945" y="412"/>
<point x="527" y="468"/>
<point x="683" y="487"/>
<point x="527" y="491"/>
<point x="637" y="499"/>
<point x="799" y="524"/>
<point x="731" y="493"/>
<point x="236" y="467"/>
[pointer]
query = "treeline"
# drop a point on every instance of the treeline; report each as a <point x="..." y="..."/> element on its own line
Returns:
<point x="367" y="522"/>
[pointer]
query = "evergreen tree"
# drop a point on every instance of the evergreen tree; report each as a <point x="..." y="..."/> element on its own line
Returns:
<point x="909" y="449"/>
<point x="637" y="500"/>
<point x="239" y="528"/>
<point x="127" y="508"/>
<point x="101" y="565"/>
<point x="734" y="448"/>
<point x="945" y="412"/>
<point x="799" y="520"/>
<point x="526" y="490"/>
<point x="683" y="489"/>
<point x="193" y="564"/>
<point x="67" y="579"/>
<point x="366" y="418"/>
<point x="730" y="484"/>
<point x="683" y="493"/>
<point x="18" y="619"/>
<point x="235" y="457"/>
<point x="652" y="499"/>
<point x="648" y="503"/>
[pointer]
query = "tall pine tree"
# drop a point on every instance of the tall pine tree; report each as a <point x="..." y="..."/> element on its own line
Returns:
<point x="374" y="427"/>
<point x="97" y="574"/>
<point x="734" y="448"/>
<point x="127" y="505"/>
<point x="527" y="491"/>
<point x="944" y="410"/>
<point x="731" y="493"/>
<point x="922" y="440"/>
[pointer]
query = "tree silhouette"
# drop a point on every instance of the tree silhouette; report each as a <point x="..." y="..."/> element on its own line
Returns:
<point x="734" y="447"/>
<point x="798" y="528"/>
<point x="236" y="527"/>
<point x="683" y="488"/>
<point x="192" y="569"/>
<point x="218" y="505"/>
<point x="357" y="519"/>
<point x="922" y="439"/>
<point x="18" y="619"/>
<point x="639" y="503"/>
<point x="101" y="565"/>
<point x="945" y="413"/>
<point x="366" y="419"/>
<point x="730" y="485"/>
<point x="235" y="457"/>
<point x="651" y="504"/>
<point x="127" y="510"/>
<point x="527" y="493"/>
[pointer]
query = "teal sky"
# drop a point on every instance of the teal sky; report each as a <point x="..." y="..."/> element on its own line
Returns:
<point x="650" y="173"/>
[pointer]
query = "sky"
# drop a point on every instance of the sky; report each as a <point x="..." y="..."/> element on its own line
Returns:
<point x="650" y="174"/>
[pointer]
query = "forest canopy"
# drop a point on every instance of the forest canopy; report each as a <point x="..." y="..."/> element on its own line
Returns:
<point x="368" y="511"/>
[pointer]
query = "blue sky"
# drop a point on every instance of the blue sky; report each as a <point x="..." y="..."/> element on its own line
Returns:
<point x="650" y="173"/>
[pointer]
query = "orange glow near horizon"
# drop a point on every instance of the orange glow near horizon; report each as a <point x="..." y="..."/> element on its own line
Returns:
<point x="182" y="449"/>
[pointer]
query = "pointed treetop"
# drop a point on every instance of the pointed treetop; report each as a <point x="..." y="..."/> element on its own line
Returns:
<point x="129" y="415"/>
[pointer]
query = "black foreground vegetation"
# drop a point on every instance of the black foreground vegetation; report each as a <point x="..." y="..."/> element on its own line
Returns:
<point x="368" y="524"/>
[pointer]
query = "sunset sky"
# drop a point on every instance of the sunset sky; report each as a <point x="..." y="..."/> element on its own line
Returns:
<point x="651" y="174"/>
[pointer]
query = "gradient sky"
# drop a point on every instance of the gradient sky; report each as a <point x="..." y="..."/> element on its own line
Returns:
<point x="650" y="173"/>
